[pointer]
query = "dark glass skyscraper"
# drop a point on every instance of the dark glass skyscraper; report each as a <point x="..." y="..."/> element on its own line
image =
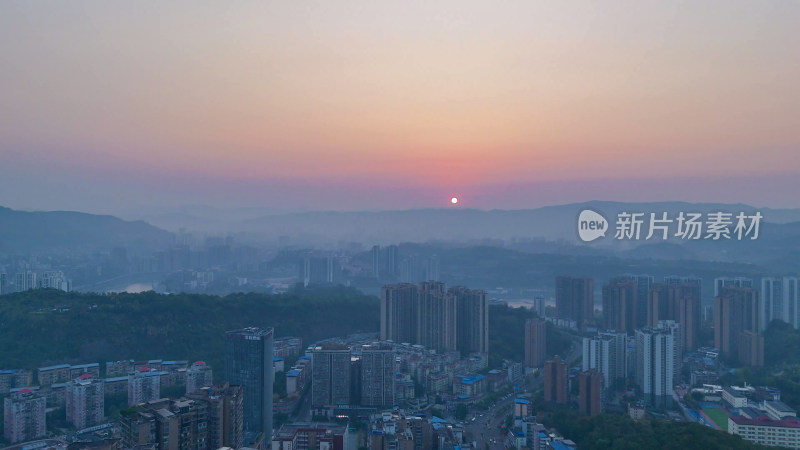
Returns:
<point x="248" y="363"/>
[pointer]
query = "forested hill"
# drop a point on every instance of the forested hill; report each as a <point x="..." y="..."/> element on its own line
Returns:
<point x="46" y="326"/>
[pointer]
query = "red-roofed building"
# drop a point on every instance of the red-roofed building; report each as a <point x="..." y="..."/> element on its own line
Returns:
<point x="198" y="376"/>
<point x="85" y="401"/>
<point x="766" y="430"/>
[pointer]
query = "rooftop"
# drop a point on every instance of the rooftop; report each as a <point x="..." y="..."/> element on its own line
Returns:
<point x="765" y="421"/>
<point x="85" y="366"/>
<point x="115" y="379"/>
<point x="732" y="391"/>
<point x="780" y="406"/>
<point x="251" y="331"/>
<point x="59" y="366"/>
<point x="471" y="379"/>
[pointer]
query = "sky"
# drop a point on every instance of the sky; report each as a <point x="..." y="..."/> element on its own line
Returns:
<point x="107" y="106"/>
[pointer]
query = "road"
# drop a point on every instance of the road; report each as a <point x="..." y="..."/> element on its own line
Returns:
<point x="44" y="444"/>
<point x="485" y="429"/>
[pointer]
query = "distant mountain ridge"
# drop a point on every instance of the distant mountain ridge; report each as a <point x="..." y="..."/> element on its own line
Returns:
<point x="36" y="231"/>
<point x="421" y="225"/>
<point x="22" y="232"/>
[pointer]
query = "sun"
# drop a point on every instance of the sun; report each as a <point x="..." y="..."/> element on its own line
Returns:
<point x="454" y="200"/>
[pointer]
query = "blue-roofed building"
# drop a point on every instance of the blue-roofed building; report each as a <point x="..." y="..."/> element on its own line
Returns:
<point x="174" y="366"/>
<point x="92" y="369"/>
<point x="277" y="363"/>
<point x="57" y="366"/>
<point x="471" y="385"/>
<point x="538" y="436"/>
<point x="563" y="445"/>
<point x="14" y="378"/>
<point x="293" y="381"/>
<point x="116" y="385"/>
<point x="119" y="368"/>
<point x="522" y="407"/>
<point x="144" y="385"/>
<point x="53" y="374"/>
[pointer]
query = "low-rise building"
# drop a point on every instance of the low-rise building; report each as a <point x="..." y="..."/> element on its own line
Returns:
<point x="636" y="411"/>
<point x="14" y="378"/>
<point x="471" y="385"/>
<point x="766" y="430"/>
<point x="92" y="369"/>
<point x="522" y="407"/>
<point x="292" y="378"/>
<point x="309" y="436"/>
<point x="116" y="385"/>
<point x="119" y="368"/>
<point x="778" y="410"/>
<point x="733" y="398"/>
<point x="53" y="374"/>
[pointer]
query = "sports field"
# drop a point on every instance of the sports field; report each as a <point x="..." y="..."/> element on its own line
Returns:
<point x="718" y="416"/>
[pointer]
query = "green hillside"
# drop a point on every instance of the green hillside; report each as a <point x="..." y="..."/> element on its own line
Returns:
<point x="44" y="327"/>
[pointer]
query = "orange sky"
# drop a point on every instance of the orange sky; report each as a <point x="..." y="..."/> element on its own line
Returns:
<point x="455" y="95"/>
